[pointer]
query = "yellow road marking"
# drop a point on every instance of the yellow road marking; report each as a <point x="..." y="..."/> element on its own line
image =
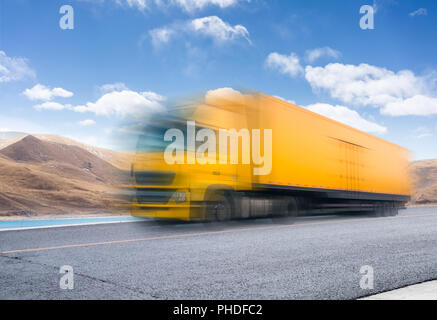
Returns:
<point x="196" y="234"/>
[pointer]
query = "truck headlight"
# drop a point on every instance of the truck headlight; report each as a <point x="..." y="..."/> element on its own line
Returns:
<point x="179" y="197"/>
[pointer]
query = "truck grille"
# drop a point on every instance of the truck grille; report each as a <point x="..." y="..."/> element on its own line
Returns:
<point x="153" y="196"/>
<point x="154" y="178"/>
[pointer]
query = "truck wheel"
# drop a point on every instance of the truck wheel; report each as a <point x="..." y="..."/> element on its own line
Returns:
<point x="218" y="208"/>
<point x="288" y="209"/>
<point x="393" y="210"/>
<point x="385" y="210"/>
<point x="293" y="207"/>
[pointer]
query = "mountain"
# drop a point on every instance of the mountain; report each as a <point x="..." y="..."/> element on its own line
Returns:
<point x="54" y="156"/>
<point x="9" y="137"/>
<point x="38" y="177"/>
<point x="118" y="159"/>
<point x="424" y="179"/>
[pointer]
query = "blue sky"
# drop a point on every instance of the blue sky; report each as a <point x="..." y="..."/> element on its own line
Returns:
<point x="129" y="56"/>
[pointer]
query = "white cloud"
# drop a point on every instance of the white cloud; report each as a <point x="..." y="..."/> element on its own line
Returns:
<point x="419" y="12"/>
<point x="191" y="5"/>
<point x="41" y="92"/>
<point x="417" y="105"/>
<point x="289" y="65"/>
<point x="153" y="96"/>
<point x="314" y="54"/>
<point x="51" y="106"/>
<point x="109" y="87"/>
<point x="14" y="69"/>
<point x="186" y="5"/>
<point x="212" y="27"/>
<point x="226" y="93"/>
<point x="218" y="29"/>
<point x="395" y="93"/>
<point x="347" y="116"/>
<point x="123" y="103"/>
<point x="161" y="35"/>
<point x="119" y="102"/>
<point x="86" y="122"/>
<point x="138" y="4"/>
<point x="211" y="95"/>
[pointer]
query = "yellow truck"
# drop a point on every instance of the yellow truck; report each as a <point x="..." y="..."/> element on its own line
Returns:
<point x="233" y="155"/>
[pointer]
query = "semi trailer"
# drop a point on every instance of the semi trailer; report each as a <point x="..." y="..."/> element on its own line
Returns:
<point x="233" y="155"/>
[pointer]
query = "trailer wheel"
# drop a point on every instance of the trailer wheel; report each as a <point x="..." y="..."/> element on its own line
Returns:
<point x="218" y="208"/>
<point x="378" y="210"/>
<point x="385" y="209"/>
<point x="393" y="210"/>
<point x="288" y="208"/>
<point x="293" y="207"/>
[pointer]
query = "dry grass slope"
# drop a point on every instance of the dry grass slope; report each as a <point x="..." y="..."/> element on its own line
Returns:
<point x="117" y="159"/>
<point x="424" y="178"/>
<point x="43" y="177"/>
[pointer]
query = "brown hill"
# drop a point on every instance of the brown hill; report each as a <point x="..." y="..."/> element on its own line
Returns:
<point x="117" y="159"/>
<point x="6" y="142"/>
<point x="69" y="161"/>
<point x="424" y="178"/>
<point x="47" y="177"/>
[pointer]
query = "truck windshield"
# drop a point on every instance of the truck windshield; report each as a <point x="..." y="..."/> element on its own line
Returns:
<point x="152" y="137"/>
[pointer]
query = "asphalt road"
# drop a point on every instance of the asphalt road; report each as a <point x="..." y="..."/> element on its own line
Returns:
<point x="314" y="258"/>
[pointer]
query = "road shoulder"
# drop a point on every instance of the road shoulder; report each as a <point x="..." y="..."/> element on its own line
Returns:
<point x="421" y="291"/>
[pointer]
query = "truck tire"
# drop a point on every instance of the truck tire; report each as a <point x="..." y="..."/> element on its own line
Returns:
<point x="218" y="208"/>
<point x="393" y="210"/>
<point x="378" y="210"/>
<point x="293" y="207"/>
<point x="385" y="209"/>
<point x="288" y="209"/>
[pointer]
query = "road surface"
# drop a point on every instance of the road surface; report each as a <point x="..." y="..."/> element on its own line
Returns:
<point x="314" y="258"/>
